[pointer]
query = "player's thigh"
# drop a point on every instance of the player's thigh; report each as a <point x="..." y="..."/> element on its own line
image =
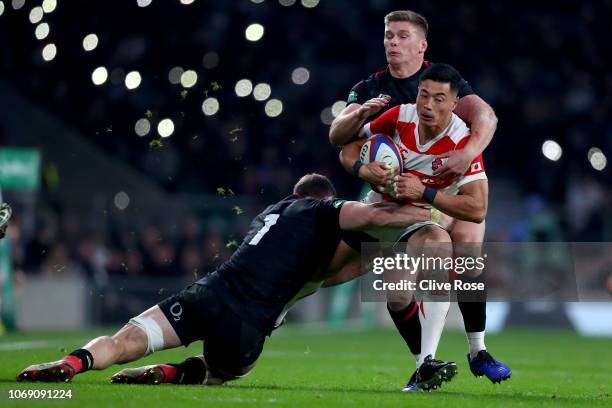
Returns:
<point x="192" y="312"/>
<point x="232" y="348"/>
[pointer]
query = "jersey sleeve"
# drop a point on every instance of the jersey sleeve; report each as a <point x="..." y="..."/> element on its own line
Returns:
<point x="464" y="89"/>
<point x="358" y="94"/>
<point x="328" y="212"/>
<point x="385" y="123"/>
<point x="476" y="171"/>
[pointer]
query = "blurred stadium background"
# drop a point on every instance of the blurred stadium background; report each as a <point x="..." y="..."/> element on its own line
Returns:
<point x="138" y="138"/>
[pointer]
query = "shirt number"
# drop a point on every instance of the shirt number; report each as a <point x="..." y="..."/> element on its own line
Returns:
<point x="269" y="221"/>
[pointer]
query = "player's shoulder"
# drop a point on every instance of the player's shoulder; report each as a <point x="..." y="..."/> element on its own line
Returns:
<point x="407" y="112"/>
<point x="458" y="129"/>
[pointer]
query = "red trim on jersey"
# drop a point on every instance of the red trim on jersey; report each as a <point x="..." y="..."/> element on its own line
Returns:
<point x="431" y="181"/>
<point x="386" y="123"/>
<point x="443" y="145"/>
<point x="407" y="134"/>
<point x="381" y="72"/>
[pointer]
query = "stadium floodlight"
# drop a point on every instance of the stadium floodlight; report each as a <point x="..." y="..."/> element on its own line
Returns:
<point x="41" y="31"/>
<point x="286" y="3"/>
<point x="262" y="91"/>
<point x="165" y="127"/>
<point x="122" y="200"/>
<point x="300" y="76"/>
<point x="49" y="6"/>
<point x="552" y="150"/>
<point x="254" y="32"/>
<point x="189" y="78"/>
<point x="36" y="14"/>
<point x="174" y="76"/>
<point x="597" y="158"/>
<point x="132" y="80"/>
<point x="310" y="3"/>
<point x="210" y="106"/>
<point x="142" y="127"/>
<point x="99" y="76"/>
<point x="337" y="107"/>
<point x="17" y="4"/>
<point x="243" y="88"/>
<point x="143" y="3"/>
<point x="90" y="42"/>
<point x="273" y="108"/>
<point x="49" y="52"/>
<point x="326" y="116"/>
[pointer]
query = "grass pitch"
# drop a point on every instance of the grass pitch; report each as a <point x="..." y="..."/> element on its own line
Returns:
<point x="304" y="367"/>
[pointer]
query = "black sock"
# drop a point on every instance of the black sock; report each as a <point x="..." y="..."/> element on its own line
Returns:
<point x="473" y="306"/>
<point x="190" y="371"/>
<point x="86" y="358"/>
<point x="409" y="326"/>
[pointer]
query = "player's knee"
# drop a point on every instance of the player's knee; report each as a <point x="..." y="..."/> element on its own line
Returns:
<point x="218" y="376"/>
<point x="396" y="305"/>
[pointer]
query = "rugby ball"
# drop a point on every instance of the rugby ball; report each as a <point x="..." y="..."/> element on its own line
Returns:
<point x="381" y="148"/>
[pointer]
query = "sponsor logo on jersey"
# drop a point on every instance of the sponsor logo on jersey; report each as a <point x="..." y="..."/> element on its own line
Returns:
<point x="337" y="203"/>
<point x="352" y="97"/>
<point x="437" y="163"/>
<point x="176" y="310"/>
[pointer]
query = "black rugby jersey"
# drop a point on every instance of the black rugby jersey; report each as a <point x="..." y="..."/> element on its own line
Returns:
<point x="287" y="244"/>
<point x="400" y="90"/>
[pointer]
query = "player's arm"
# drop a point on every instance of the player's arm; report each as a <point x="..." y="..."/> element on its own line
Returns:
<point x="359" y="216"/>
<point x="351" y="119"/>
<point x="470" y="205"/>
<point x="482" y="121"/>
<point x="375" y="173"/>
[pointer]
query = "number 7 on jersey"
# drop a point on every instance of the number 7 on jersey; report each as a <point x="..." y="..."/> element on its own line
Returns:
<point x="269" y="221"/>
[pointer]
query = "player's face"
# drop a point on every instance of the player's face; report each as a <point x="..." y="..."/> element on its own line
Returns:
<point x="435" y="102"/>
<point x="404" y="42"/>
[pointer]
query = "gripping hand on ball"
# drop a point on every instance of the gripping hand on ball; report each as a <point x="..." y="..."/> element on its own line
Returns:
<point x="408" y="187"/>
<point x="377" y="174"/>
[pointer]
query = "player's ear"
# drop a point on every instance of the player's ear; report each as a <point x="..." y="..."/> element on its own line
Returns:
<point x="423" y="46"/>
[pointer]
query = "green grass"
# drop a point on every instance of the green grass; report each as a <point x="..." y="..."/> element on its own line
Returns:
<point x="304" y="367"/>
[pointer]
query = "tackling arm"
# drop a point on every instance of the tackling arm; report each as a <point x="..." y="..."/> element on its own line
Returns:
<point x="359" y="216"/>
<point x="482" y="121"/>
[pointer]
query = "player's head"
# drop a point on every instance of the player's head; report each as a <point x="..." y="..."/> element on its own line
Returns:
<point x="314" y="185"/>
<point x="437" y="96"/>
<point x="405" y="37"/>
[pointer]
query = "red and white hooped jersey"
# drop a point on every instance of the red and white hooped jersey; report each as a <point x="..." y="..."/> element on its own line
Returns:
<point x="402" y="124"/>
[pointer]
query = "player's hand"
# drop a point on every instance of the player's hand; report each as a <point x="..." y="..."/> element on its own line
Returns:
<point x="408" y="187"/>
<point x="377" y="174"/>
<point x="372" y="106"/>
<point x="457" y="164"/>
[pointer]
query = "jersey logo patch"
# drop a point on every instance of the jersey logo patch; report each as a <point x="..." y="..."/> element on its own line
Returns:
<point x="437" y="163"/>
<point x="352" y="97"/>
<point x="475" y="167"/>
<point x="337" y="203"/>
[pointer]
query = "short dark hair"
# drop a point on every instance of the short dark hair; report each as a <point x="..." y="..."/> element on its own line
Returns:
<point x="409" y="16"/>
<point x="443" y="73"/>
<point x="314" y="185"/>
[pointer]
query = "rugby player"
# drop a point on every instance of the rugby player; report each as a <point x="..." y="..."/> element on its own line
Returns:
<point x="405" y="43"/>
<point x="289" y="248"/>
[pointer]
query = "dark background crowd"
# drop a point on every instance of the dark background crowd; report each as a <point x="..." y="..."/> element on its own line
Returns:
<point x="541" y="65"/>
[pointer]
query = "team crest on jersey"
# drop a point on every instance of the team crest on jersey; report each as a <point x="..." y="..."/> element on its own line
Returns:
<point x="436" y="163"/>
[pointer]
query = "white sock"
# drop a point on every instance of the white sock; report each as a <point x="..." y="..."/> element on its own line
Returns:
<point x="432" y="324"/>
<point x="476" y="342"/>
